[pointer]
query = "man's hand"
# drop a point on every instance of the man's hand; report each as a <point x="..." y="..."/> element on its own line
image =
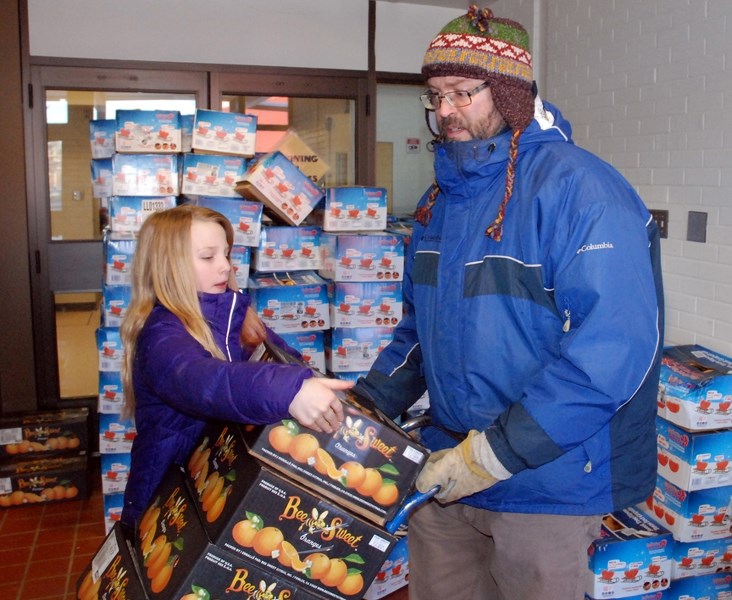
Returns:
<point x="456" y="471"/>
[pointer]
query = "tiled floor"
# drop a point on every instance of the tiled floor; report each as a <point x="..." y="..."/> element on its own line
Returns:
<point x="45" y="547"/>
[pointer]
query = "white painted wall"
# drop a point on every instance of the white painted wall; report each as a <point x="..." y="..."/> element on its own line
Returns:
<point x="326" y="34"/>
<point x="403" y="32"/>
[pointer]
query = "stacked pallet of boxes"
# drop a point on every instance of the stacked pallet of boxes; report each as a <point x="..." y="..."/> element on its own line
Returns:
<point x="43" y="457"/>
<point x="293" y="299"/>
<point x="678" y="544"/>
<point x="144" y="161"/>
<point x="135" y="164"/>
<point x="366" y="267"/>
<point x="693" y="494"/>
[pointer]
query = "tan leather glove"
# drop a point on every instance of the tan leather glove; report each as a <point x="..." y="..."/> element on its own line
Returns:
<point x="458" y="471"/>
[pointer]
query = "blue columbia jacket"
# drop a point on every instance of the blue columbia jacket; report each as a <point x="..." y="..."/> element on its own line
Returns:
<point x="179" y="386"/>
<point x="549" y="340"/>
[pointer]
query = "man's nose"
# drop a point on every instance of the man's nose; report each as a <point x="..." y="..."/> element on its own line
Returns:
<point x="445" y="109"/>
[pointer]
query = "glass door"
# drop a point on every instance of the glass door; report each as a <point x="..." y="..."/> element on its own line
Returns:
<point x="328" y="113"/>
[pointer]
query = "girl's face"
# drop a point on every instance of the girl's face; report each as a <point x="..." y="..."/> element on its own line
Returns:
<point x="210" y="253"/>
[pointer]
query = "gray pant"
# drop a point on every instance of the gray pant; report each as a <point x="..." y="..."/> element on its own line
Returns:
<point x="462" y="552"/>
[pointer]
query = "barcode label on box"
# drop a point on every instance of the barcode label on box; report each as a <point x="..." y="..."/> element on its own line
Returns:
<point x="11" y="435"/>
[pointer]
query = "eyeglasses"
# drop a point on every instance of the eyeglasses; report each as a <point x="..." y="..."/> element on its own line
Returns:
<point x="457" y="99"/>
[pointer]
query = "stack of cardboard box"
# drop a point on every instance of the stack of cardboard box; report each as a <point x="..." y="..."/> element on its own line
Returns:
<point x="277" y="509"/>
<point x="694" y="488"/>
<point x="301" y="265"/>
<point x="43" y="457"/>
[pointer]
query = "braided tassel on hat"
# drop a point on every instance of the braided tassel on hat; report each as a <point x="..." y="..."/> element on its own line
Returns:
<point x="495" y="230"/>
<point x="424" y="213"/>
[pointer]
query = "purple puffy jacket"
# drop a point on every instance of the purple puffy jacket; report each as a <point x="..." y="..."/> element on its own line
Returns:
<point x="179" y="386"/>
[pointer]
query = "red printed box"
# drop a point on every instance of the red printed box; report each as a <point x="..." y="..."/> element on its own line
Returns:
<point x="291" y="302"/>
<point x="690" y="516"/>
<point x="695" y="388"/>
<point x="631" y="557"/>
<point x="366" y="304"/>
<point x="147" y="131"/>
<point x="283" y="188"/>
<point x="362" y="256"/>
<point x="355" y="208"/>
<point x="222" y="132"/>
<point x="694" y="460"/>
<point x="355" y="348"/>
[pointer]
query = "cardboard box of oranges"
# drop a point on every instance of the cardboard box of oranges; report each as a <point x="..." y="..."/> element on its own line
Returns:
<point x="221" y="574"/>
<point x="270" y="520"/>
<point x="368" y="466"/>
<point x="169" y="538"/>
<point x="45" y="433"/>
<point x="112" y="572"/>
<point x="216" y="474"/>
<point x="51" y="479"/>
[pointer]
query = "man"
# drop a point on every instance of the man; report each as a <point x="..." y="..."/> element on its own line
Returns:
<point x="534" y="319"/>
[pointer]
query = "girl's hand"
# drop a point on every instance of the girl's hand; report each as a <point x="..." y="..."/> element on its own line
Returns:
<point x="316" y="406"/>
<point x="253" y="331"/>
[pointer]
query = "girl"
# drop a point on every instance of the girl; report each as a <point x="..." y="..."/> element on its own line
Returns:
<point x="184" y="360"/>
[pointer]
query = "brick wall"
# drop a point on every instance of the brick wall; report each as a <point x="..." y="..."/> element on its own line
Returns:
<point x="647" y="86"/>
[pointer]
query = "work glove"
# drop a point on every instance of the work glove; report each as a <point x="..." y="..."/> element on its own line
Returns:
<point x="461" y="471"/>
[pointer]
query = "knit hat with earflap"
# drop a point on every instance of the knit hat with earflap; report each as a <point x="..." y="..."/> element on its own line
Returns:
<point x="478" y="45"/>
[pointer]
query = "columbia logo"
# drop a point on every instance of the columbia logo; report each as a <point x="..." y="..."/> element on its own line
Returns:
<point x="601" y="246"/>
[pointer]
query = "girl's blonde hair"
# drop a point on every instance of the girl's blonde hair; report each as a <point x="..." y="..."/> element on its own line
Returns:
<point x="162" y="271"/>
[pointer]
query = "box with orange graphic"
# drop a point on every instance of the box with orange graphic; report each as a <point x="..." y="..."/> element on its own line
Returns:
<point x="222" y="574"/>
<point x="51" y="479"/>
<point x="46" y="433"/>
<point x="214" y="475"/>
<point x="369" y="465"/>
<point x="237" y="496"/>
<point x="169" y="538"/>
<point x="176" y="559"/>
<point x="112" y="572"/>
<point x="279" y="526"/>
